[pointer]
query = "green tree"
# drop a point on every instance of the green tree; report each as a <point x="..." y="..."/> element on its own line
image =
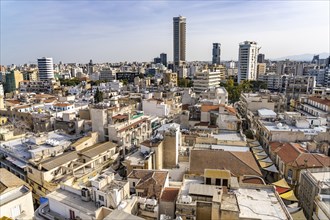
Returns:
<point x="98" y="96"/>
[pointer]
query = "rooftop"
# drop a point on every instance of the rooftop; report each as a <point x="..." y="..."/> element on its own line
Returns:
<point x="97" y="149"/>
<point x="229" y="136"/>
<point x="260" y="203"/>
<point x="73" y="200"/>
<point x="222" y="147"/>
<point x="170" y="194"/>
<point x="9" y="180"/>
<point x="272" y="126"/>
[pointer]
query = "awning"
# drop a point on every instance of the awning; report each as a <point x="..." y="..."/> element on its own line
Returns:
<point x="257" y="150"/>
<point x="282" y="183"/>
<point x="293" y="210"/>
<point x="267" y="160"/>
<point x="299" y="215"/>
<point x="271" y="168"/>
<point x="254" y="143"/>
<point x="289" y="196"/>
<point x="260" y="157"/>
<point x="281" y="190"/>
<point x="257" y="147"/>
<point x="264" y="164"/>
<point x="261" y="153"/>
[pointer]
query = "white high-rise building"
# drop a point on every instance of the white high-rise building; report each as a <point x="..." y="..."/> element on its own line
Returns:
<point x="205" y="80"/>
<point x="46" y="69"/>
<point x="247" y="61"/>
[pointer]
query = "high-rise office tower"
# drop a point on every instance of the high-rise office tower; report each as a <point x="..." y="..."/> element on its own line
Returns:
<point x="46" y="69"/>
<point x="179" y="40"/>
<point x="216" y="52"/>
<point x="261" y="58"/>
<point x="247" y="61"/>
<point x="163" y="59"/>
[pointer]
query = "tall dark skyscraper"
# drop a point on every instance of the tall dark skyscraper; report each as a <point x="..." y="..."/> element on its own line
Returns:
<point x="179" y="41"/>
<point x="163" y="59"/>
<point x="261" y="58"/>
<point x="216" y="53"/>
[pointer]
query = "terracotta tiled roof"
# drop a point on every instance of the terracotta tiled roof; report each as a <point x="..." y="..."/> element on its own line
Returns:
<point x="207" y="108"/>
<point x="120" y="117"/>
<point x="22" y="106"/>
<point x="170" y="194"/>
<point x="238" y="163"/>
<point x="13" y="101"/>
<point x="151" y="182"/>
<point x="62" y="104"/>
<point x="321" y="101"/>
<point x="295" y="155"/>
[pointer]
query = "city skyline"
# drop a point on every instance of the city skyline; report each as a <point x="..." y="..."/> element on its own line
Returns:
<point x="138" y="31"/>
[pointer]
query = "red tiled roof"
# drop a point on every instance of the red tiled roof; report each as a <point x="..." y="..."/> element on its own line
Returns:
<point x="238" y="163"/>
<point x="62" y="104"/>
<point x="295" y="155"/>
<point x="12" y="101"/>
<point x="120" y="116"/>
<point x="170" y="194"/>
<point x="321" y="101"/>
<point x="151" y="182"/>
<point x="207" y="108"/>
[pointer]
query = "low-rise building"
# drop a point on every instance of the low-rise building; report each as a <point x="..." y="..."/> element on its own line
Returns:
<point x="95" y="199"/>
<point x="239" y="161"/>
<point x="292" y="158"/>
<point x="15" y="197"/>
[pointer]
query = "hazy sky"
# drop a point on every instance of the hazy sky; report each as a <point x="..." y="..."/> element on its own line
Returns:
<point x="112" y="31"/>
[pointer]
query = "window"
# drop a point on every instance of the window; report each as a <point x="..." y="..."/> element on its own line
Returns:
<point x="225" y="182"/>
<point x="72" y="214"/>
<point x="218" y="182"/>
<point x="30" y="170"/>
<point x="133" y="184"/>
<point x="208" y="181"/>
<point x="101" y="198"/>
<point x="16" y="211"/>
<point x="290" y="174"/>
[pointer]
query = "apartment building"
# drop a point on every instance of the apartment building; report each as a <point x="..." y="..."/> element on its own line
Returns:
<point x="315" y="106"/>
<point x="205" y="80"/>
<point x="289" y="127"/>
<point x="314" y="190"/>
<point x="44" y="86"/>
<point x="216" y="95"/>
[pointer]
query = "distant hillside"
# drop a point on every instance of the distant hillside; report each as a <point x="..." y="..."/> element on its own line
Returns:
<point x="303" y="57"/>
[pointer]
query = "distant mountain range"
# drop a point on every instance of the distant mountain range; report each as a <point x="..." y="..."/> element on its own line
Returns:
<point x="303" y="57"/>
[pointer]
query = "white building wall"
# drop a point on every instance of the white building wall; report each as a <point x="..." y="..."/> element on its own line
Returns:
<point x="152" y="107"/>
<point x="25" y="204"/>
<point x="247" y="61"/>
